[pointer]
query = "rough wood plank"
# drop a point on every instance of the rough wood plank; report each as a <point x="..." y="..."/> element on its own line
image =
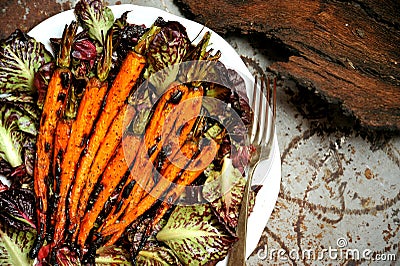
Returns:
<point x="348" y="51"/>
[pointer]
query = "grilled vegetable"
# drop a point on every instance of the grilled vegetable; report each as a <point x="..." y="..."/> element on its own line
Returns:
<point x="113" y="174"/>
<point x="150" y="147"/>
<point x="177" y="127"/>
<point x="115" y="100"/>
<point x="53" y="109"/>
<point x="81" y="127"/>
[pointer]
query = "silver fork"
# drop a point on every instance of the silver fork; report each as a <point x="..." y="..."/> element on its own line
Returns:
<point x="261" y="138"/>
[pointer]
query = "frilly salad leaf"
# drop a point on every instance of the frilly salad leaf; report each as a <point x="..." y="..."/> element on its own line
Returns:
<point x="15" y="129"/>
<point x="66" y="257"/>
<point x="94" y="17"/>
<point x="20" y="57"/>
<point x="224" y="190"/>
<point x="111" y="256"/>
<point x="168" y="48"/>
<point x="15" y="246"/>
<point x="195" y="235"/>
<point x="5" y="167"/>
<point x="157" y="256"/>
<point x="18" y="208"/>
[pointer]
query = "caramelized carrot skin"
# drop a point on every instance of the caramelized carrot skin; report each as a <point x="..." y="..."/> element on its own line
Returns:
<point x="80" y="129"/>
<point x="186" y="178"/>
<point x="116" y="97"/>
<point x="112" y="176"/>
<point x="149" y="148"/>
<point x="103" y="157"/>
<point x="178" y="125"/>
<point x="61" y="138"/>
<point x="53" y="109"/>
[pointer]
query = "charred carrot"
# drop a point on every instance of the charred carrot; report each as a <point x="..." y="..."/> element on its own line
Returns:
<point x="110" y="167"/>
<point x="111" y="182"/>
<point x="62" y="133"/>
<point x="89" y="107"/>
<point x="177" y="125"/>
<point x="53" y="108"/>
<point x="105" y="152"/>
<point x="181" y="121"/>
<point x="184" y="178"/>
<point x="118" y="93"/>
<point x="134" y="210"/>
<point x="180" y="184"/>
<point x="112" y="176"/>
<point x="151" y="144"/>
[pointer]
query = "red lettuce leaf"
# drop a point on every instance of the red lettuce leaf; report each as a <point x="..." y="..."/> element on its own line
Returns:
<point x="17" y="208"/>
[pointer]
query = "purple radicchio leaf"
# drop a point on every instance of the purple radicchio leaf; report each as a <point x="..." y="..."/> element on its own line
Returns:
<point x="85" y="54"/>
<point x="18" y="208"/>
<point x="168" y="47"/>
<point x="20" y="57"/>
<point x="157" y="255"/>
<point x="224" y="190"/>
<point x="95" y="18"/>
<point x="144" y="247"/>
<point x="66" y="257"/>
<point x="84" y="50"/>
<point x="41" y="81"/>
<point x="5" y="167"/>
<point x="15" y="246"/>
<point x="240" y="101"/>
<point x="3" y="187"/>
<point x="111" y="256"/>
<point x="195" y="235"/>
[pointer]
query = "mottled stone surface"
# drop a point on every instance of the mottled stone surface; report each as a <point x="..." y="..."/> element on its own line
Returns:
<point x="340" y="185"/>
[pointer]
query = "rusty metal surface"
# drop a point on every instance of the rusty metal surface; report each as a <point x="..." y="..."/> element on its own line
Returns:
<point x="339" y="202"/>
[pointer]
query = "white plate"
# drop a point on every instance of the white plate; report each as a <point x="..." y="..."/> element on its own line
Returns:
<point x="268" y="173"/>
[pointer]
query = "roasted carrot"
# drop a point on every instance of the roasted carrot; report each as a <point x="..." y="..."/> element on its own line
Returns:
<point x="52" y="110"/>
<point x="150" y="146"/>
<point x="115" y="176"/>
<point x="180" y="121"/>
<point x="181" y="182"/>
<point x="118" y="93"/>
<point x="178" y="125"/>
<point x="61" y="137"/>
<point x="184" y="178"/>
<point x="81" y="127"/>
<point x="112" y="176"/>
<point x="105" y="152"/>
<point x="134" y="210"/>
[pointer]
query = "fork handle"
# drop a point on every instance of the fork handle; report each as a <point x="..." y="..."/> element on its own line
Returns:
<point x="237" y="255"/>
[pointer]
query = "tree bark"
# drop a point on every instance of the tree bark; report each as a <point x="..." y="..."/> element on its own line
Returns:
<point x="348" y="51"/>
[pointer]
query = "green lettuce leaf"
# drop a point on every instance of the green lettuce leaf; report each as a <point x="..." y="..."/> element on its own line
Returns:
<point x="224" y="190"/>
<point x="20" y="57"/>
<point x="16" y="128"/>
<point x="15" y="246"/>
<point x="94" y="17"/>
<point x="195" y="235"/>
<point x="157" y="256"/>
<point x="111" y="256"/>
